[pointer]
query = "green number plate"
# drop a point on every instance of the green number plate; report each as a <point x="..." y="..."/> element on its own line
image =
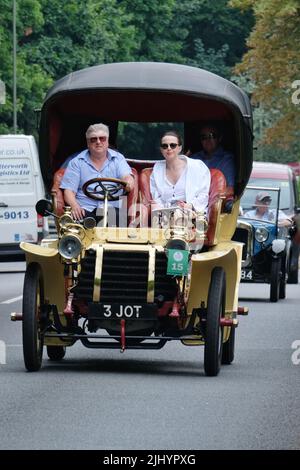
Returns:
<point x="178" y="262"/>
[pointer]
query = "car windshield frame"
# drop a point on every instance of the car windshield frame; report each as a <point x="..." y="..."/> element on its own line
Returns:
<point x="275" y="203"/>
<point x="283" y="184"/>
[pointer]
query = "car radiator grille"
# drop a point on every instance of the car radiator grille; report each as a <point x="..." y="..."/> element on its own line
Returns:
<point x="124" y="277"/>
<point x="241" y="235"/>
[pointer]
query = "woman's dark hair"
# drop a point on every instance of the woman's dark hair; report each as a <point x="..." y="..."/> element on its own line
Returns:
<point x="173" y="134"/>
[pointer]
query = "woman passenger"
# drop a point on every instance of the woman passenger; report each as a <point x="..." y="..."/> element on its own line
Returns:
<point x="179" y="180"/>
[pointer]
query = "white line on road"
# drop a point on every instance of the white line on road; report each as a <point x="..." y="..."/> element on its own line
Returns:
<point x="10" y="301"/>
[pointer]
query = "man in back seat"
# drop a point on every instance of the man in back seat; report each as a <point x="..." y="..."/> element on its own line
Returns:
<point x="213" y="154"/>
<point x="97" y="161"/>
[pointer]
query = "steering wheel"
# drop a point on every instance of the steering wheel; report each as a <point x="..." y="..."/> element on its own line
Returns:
<point x="103" y="187"/>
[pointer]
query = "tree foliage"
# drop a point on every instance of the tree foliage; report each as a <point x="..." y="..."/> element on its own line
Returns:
<point x="273" y="63"/>
<point x="156" y="37"/>
<point x="32" y="81"/>
<point x="216" y="33"/>
<point x="55" y="38"/>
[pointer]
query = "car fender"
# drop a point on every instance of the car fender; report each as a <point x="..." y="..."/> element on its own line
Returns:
<point x="38" y="250"/>
<point x="48" y="258"/>
<point x="227" y="255"/>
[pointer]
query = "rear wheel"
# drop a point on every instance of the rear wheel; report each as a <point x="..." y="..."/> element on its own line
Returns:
<point x="275" y="280"/>
<point x="293" y="264"/>
<point x="228" y="348"/>
<point x="56" y="353"/>
<point x="293" y="277"/>
<point x="214" y="331"/>
<point x="33" y="300"/>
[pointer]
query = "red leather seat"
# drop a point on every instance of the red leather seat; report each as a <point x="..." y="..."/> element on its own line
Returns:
<point x="58" y="197"/>
<point x="217" y="192"/>
<point x="145" y="196"/>
<point x="132" y="197"/>
<point x="57" y="193"/>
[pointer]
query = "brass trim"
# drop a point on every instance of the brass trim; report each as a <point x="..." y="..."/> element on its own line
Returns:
<point x="98" y="273"/>
<point x="151" y="275"/>
<point x="125" y="247"/>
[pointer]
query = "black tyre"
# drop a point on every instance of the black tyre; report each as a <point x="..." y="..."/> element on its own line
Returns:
<point x="214" y="332"/>
<point x="56" y="353"/>
<point x="293" y="272"/>
<point x="275" y="280"/>
<point x="228" y="348"/>
<point x="282" y="288"/>
<point x="33" y="300"/>
<point x="293" y="277"/>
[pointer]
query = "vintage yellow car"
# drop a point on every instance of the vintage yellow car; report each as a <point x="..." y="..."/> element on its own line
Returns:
<point x="137" y="286"/>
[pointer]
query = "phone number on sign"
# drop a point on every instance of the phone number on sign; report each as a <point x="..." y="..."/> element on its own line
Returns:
<point x="13" y="215"/>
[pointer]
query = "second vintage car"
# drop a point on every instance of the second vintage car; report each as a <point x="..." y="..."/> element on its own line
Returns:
<point x="263" y="228"/>
<point x="284" y="177"/>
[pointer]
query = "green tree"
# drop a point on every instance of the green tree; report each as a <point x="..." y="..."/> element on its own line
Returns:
<point x="210" y="59"/>
<point x="79" y="34"/>
<point x="273" y="63"/>
<point x="30" y="80"/>
<point x="156" y="35"/>
<point x="216" y="33"/>
<point x="55" y="38"/>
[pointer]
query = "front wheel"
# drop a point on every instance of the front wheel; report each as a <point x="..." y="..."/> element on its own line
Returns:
<point x="33" y="301"/>
<point x="275" y="280"/>
<point x="213" y="330"/>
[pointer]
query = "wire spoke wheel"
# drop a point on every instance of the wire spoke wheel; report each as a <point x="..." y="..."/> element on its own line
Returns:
<point x="33" y="301"/>
<point x="214" y="331"/>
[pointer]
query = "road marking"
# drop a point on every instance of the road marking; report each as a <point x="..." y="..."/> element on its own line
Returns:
<point x="10" y="301"/>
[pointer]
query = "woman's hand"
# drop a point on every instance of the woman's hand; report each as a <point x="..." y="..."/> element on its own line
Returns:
<point x="184" y="205"/>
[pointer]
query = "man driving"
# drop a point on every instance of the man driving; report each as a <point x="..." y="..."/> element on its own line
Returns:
<point x="262" y="211"/>
<point x="97" y="161"/>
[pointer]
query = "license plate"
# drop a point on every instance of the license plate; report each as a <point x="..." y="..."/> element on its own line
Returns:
<point x="246" y="275"/>
<point x="122" y="311"/>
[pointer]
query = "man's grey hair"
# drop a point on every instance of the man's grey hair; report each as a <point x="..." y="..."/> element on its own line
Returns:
<point x="93" y="128"/>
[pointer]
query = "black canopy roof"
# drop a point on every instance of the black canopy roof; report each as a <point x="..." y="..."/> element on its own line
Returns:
<point x="143" y="92"/>
<point x="153" y="76"/>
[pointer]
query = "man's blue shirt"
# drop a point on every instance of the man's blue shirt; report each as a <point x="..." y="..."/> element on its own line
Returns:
<point x="222" y="160"/>
<point x="81" y="169"/>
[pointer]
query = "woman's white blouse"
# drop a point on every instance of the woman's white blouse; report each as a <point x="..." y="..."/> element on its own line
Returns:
<point x="192" y="186"/>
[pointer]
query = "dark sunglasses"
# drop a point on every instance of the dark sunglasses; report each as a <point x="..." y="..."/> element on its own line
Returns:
<point x="166" y="146"/>
<point x="266" y="200"/>
<point x="210" y="135"/>
<point x="102" y="138"/>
